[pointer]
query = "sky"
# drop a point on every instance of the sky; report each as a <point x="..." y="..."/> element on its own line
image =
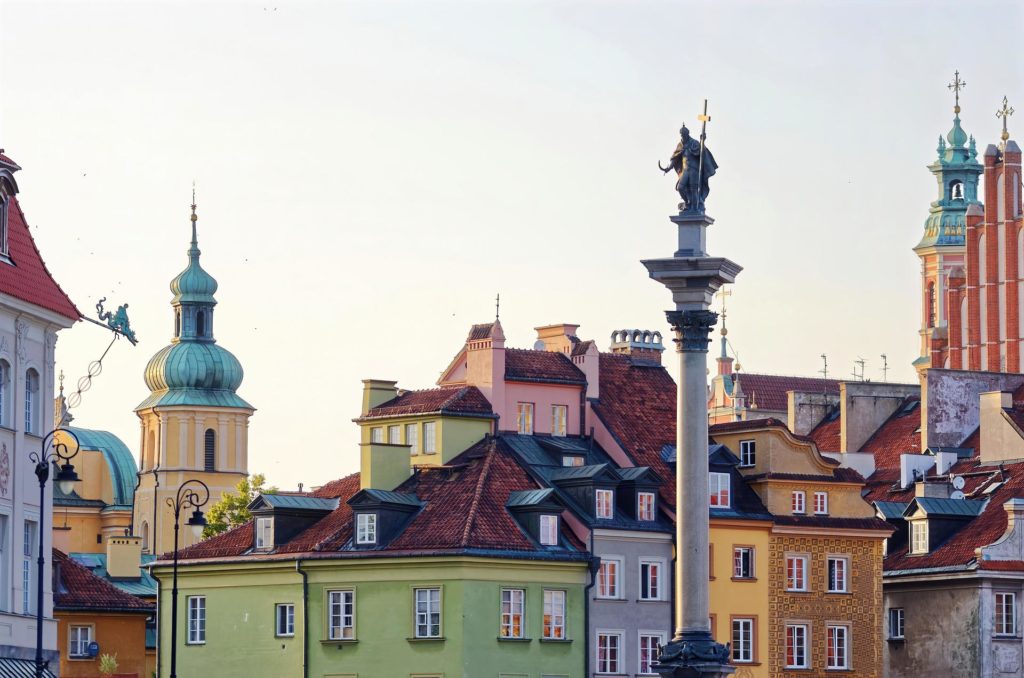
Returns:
<point x="369" y="176"/>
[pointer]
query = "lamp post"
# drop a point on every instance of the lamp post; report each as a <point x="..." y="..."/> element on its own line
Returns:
<point x="191" y="494"/>
<point x="59" y="456"/>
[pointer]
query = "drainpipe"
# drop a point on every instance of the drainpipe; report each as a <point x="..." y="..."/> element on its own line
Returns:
<point x="305" y="618"/>
<point x="135" y="492"/>
<point x="152" y="573"/>
<point x="593" y="566"/>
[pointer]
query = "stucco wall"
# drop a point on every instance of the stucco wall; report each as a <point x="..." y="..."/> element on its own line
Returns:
<point x="120" y="634"/>
<point x="941" y="626"/>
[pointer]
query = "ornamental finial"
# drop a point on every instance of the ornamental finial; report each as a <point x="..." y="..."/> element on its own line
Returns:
<point x="1005" y="112"/>
<point x="956" y="86"/>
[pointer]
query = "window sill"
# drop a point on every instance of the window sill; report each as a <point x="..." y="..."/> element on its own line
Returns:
<point x="797" y="591"/>
<point x="746" y="663"/>
<point x="839" y="593"/>
<point x="187" y="644"/>
<point x="651" y="600"/>
<point x="337" y="641"/>
<point x="897" y="640"/>
<point x="555" y="640"/>
<point x="750" y="579"/>
<point x="81" y="658"/>
<point x="610" y="600"/>
<point x="515" y="640"/>
<point x="828" y="670"/>
<point x="1005" y="637"/>
<point x="284" y="635"/>
<point x="435" y="639"/>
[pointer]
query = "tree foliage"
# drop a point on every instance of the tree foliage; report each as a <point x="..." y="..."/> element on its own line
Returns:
<point x="232" y="508"/>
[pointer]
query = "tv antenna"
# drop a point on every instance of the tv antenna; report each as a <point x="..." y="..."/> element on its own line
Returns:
<point x="858" y="361"/>
<point x="824" y="370"/>
<point x="885" y="368"/>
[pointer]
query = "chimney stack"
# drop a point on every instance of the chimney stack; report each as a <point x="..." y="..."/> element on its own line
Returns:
<point x="641" y="344"/>
<point x="124" y="557"/>
<point x="376" y="392"/>
<point x="559" y="338"/>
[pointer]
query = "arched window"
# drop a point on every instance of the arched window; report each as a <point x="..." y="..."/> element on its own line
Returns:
<point x="5" y="379"/>
<point x="31" y="400"/>
<point x="145" y="536"/>
<point x="151" y="450"/>
<point x="200" y="324"/>
<point x="931" y="304"/>
<point x="956" y="190"/>
<point x="177" y="323"/>
<point x="210" y="450"/>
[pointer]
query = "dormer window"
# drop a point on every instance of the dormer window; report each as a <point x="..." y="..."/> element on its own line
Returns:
<point x="747" y="452"/>
<point x="919" y="536"/>
<point x="645" y="506"/>
<point x="798" y="502"/>
<point x="570" y="460"/>
<point x="718" y="490"/>
<point x="4" y="204"/>
<point x="366" y="528"/>
<point x="549" y="530"/>
<point x="604" y="500"/>
<point x="264" y="533"/>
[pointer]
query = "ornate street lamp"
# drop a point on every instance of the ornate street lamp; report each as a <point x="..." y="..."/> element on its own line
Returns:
<point x="59" y="456"/>
<point x="191" y="495"/>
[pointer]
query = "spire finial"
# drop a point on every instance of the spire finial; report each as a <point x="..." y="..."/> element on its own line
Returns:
<point x="61" y="379"/>
<point x="956" y="86"/>
<point x="497" y="306"/>
<point x="194" y="250"/>
<point x="722" y="294"/>
<point x="1005" y="112"/>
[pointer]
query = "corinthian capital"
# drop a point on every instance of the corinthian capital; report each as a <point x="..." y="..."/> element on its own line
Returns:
<point x="692" y="328"/>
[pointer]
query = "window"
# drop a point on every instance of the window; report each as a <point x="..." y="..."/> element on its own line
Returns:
<point x="796" y="573"/>
<point x="5" y="376"/>
<point x="412" y="438"/>
<point x="524" y="417"/>
<point x="177" y="323"/>
<point x="837" y="575"/>
<point x="821" y="503"/>
<point x="919" y="536"/>
<point x="377" y="434"/>
<point x="512" y="613"/>
<point x="1006" y="614"/>
<point x="956" y="190"/>
<point x="341" y="610"/>
<point x="799" y="502"/>
<point x="747" y="452"/>
<point x="559" y="414"/>
<point x="571" y="460"/>
<point x="549" y="530"/>
<point x="609" y="647"/>
<point x="718" y="489"/>
<point x="395" y="435"/>
<point x="200" y="324"/>
<point x="608" y="578"/>
<point x="604" y="500"/>
<point x="366" y="528"/>
<point x="4" y="202"/>
<point x="428" y="613"/>
<point x="838" y="638"/>
<point x="285" y="614"/>
<point x="743" y="562"/>
<point x="210" y="450"/>
<point x="650" y="580"/>
<point x="554" y="615"/>
<point x="79" y="638"/>
<point x="645" y="506"/>
<point x="796" y="646"/>
<point x="145" y="536"/>
<point x="31" y="400"/>
<point x="649" y="644"/>
<point x="742" y="640"/>
<point x="896" y="623"/>
<point x="196" y="620"/>
<point x="429" y="437"/>
<point x="264" y="533"/>
<point x="4" y="574"/>
<point x="28" y="567"/>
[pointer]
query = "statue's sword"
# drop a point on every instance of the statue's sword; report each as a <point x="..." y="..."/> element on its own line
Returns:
<point x="704" y="118"/>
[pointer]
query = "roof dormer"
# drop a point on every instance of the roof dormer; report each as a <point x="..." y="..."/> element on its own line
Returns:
<point x="539" y="513"/>
<point x="638" y="493"/>
<point x="380" y="515"/>
<point x="277" y="518"/>
<point x="932" y="520"/>
<point x="592" y="487"/>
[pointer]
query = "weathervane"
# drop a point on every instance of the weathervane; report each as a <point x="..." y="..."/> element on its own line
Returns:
<point x="497" y="306"/>
<point x="956" y="86"/>
<point x="1005" y="112"/>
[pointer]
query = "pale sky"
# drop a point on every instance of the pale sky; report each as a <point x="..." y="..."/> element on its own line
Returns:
<point x="370" y="174"/>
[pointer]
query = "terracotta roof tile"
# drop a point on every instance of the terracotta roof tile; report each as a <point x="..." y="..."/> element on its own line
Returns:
<point x="826" y="435"/>
<point x="769" y="390"/>
<point x="77" y="588"/>
<point x="839" y="475"/>
<point x="899" y="435"/>
<point x="837" y="523"/>
<point x="447" y="399"/>
<point x="543" y="366"/>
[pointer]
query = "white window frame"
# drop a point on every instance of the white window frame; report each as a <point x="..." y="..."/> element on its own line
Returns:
<point x="196" y="606"/>
<point x="284" y="612"/>
<point x="792" y="584"/>
<point x="804" y="646"/>
<point x="604" y="504"/>
<point x="748" y="453"/>
<point x="609" y="586"/>
<point x="897" y="623"/>
<point x="737" y="562"/>
<point x="649" y="590"/>
<point x="30" y="535"/>
<point x="5" y="392"/>
<point x="394" y="434"/>
<point x="524" y="418"/>
<point x="798" y="502"/>
<point x="513" y="613"/>
<point x="341" y="614"/>
<point x="609" y="663"/>
<point x="429" y="437"/>
<point x="837" y="651"/>
<point x="646" y="506"/>
<point x="377" y="434"/>
<point x="1005" y="625"/>
<point x="742" y="654"/>
<point x="654" y="639"/>
<point x="573" y="460"/>
<point x="366" y="528"/>
<point x="78" y="647"/>
<point x="553" y="622"/>
<point x="919" y="536"/>
<point x="838" y="565"/>
<point x="821" y="503"/>
<point x="264" y="533"/>
<point x="427" y="607"/>
<point x="716" y="483"/>
<point x="32" y="388"/>
<point x="559" y="420"/>
<point x="412" y="438"/>
<point x="548" y="529"/>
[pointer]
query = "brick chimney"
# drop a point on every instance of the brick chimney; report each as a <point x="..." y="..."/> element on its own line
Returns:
<point x="124" y="557"/>
<point x="641" y="344"/>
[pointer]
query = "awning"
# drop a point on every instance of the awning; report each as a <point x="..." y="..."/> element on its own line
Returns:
<point x="20" y="668"/>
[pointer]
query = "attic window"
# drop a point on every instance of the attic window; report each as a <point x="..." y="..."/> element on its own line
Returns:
<point x="264" y="533"/>
<point x="604" y="499"/>
<point x="919" y="536"/>
<point x="718" y="490"/>
<point x="549" y="530"/>
<point x="4" y="202"/>
<point x="645" y="506"/>
<point x="572" y="460"/>
<point x="366" y="528"/>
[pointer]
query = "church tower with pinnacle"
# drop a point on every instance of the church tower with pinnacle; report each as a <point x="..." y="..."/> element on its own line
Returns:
<point x="943" y="247"/>
<point x="194" y="424"/>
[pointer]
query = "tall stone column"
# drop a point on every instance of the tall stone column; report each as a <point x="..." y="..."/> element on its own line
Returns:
<point x="692" y="277"/>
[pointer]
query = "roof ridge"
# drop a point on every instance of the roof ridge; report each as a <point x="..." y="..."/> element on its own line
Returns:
<point x="897" y="413"/>
<point x="477" y="494"/>
<point x="42" y="262"/>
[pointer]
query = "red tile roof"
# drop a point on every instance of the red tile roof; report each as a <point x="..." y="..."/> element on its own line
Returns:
<point x="443" y="400"/>
<point x="542" y="366"/>
<point x="77" y="588"/>
<point x="839" y="475"/>
<point x="826" y="435"/>
<point x="899" y="435"/>
<point x="769" y="391"/>
<point x="7" y="161"/>
<point x="581" y="347"/>
<point x="836" y="523"/>
<point x="28" y="279"/>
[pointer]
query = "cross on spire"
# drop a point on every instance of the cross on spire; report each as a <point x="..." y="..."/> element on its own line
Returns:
<point x="956" y="86"/>
<point x="1005" y="112"/>
<point x="722" y="294"/>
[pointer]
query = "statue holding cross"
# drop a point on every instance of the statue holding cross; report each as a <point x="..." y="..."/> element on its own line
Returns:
<point x="693" y="164"/>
